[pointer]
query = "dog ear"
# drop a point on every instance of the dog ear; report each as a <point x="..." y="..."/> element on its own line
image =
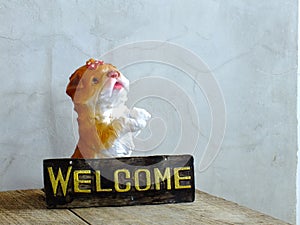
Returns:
<point x="74" y="81"/>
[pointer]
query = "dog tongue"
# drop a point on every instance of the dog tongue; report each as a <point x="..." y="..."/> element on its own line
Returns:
<point x="118" y="86"/>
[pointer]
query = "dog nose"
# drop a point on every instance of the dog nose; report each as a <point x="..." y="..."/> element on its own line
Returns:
<point x="113" y="74"/>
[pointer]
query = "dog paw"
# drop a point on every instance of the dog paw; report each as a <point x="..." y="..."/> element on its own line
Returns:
<point x="139" y="114"/>
<point x="125" y="125"/>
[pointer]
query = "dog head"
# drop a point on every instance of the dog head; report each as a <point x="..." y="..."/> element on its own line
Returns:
<point x="98" y="84"/>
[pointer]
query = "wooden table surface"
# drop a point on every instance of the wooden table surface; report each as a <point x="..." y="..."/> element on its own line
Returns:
<point x="28" y="207"/>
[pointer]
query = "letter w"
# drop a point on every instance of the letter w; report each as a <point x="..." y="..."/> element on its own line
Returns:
<point x="59" y="178"/>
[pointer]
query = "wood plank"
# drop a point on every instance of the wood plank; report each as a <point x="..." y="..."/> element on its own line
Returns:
<point x="205" y="210"/>
<point x="29" y="207"/>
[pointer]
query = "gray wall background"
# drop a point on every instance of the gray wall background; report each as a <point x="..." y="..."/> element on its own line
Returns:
<point x="250" y="46"/>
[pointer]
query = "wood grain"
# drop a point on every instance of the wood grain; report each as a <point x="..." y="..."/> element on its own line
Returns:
<point x="29" y="207"/>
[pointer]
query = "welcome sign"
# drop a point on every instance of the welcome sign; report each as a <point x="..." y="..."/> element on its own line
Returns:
<point x="70" y="183"/>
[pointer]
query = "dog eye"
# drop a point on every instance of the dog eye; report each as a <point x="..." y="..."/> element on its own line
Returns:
<point x="95" y="80"/>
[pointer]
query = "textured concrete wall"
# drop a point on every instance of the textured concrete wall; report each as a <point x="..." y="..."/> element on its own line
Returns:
<point x="250" y="47"/>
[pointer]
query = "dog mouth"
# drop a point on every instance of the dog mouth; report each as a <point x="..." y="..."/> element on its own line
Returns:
<point x="118" y="86"/>
<point x="113" y="87"/>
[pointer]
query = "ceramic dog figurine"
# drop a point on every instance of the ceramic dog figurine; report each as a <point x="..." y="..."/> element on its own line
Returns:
<point x="106" y="126"/>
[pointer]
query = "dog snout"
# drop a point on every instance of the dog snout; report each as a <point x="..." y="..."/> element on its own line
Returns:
<point x="113" y="74"/>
